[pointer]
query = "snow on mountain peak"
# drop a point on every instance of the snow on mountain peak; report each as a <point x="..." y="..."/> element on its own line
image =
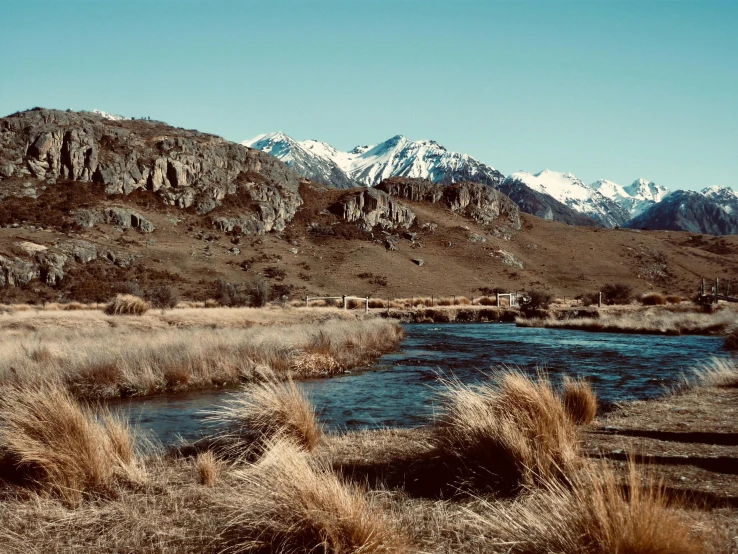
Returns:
<point x="369" y="165"/>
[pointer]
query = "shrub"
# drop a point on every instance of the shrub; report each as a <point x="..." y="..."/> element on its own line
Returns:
<point x="127" y="304"/>
<point x="592" y="514"/>
<point x="674" y="299"/>
<point x="163" y="297"/>
<point x="258" y="293"/>
<point x="653" y="299"/>
<point x="230" y="294"/>
<point x="291" y="503"/>
<point x="616" y="294"/>
<point x="272" y="409"/>
<point x="511" y="433"/>
<point x="535" y="300"/>
<point x="580" y="401"/>
<point x="66" y="447"/>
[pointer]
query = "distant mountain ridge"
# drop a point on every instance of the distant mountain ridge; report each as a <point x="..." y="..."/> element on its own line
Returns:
<point x="546" y="194"/>
<point x="370" y="165"/>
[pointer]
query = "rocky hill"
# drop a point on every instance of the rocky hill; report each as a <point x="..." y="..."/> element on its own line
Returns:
<point x="92" y="205"/>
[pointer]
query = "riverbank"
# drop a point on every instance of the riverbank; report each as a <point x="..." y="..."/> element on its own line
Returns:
<point x="97" y="356"/>
<point x="655" y="320"/>
<point x="393" y="486"/>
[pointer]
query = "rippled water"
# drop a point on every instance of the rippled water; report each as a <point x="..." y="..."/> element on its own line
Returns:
<point x="399" y="390"/>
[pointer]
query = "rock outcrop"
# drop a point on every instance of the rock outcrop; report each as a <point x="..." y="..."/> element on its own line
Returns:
<point x="187" y="169"/>
<point x="480" y="202"/>
<point x="123" y="218"/>
<point x="371" y="208"/>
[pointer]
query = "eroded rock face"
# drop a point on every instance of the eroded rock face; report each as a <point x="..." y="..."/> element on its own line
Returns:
<point x="371" y="208"/>
<point x="184" y="168"/>
<point x="480" y="202"/>
<point x="123" y="218"/>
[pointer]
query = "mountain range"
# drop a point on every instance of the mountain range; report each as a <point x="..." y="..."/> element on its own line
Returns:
<point x="547" y="194"/>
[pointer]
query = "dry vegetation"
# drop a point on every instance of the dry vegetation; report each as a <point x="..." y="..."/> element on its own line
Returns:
<point x="132" y="359"/>
<point x="664" y="321"/>
<point x="289" y="500"/>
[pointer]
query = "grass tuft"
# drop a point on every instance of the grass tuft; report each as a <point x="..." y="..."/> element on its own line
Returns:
<point x="592" y="514"/>
<point x="580" y="400"/>
<point x="66" y="447"/>
<point x="127" y="304"/>
<point x="731" y="338"/>
<point x="290" y="503"/>
<point x="510" y="433"/>
<point x="208" y="468"/>
<point x="718" y="372"/>
<point x="272" y="409"/>
<point x="653" y="299"/>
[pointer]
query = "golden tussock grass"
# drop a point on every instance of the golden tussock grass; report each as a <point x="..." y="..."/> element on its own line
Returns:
<point x="485" y="301"/>
<point x="117" y="360"/>
<point x="591" y="514"/>
<point x="579" y="400"/>
<point x="271" y="409"/>
<point x="208" y="468"/>
<point x="127" y="304"/>
<point x="674" y="299"/>
<point x="649" y="321"/>
<point x="718" y="372"/>
<point x="652" y="299"/>
<point x="68" y="449"/>
<point x="510" y="433"/>
<point x="289" y="503"/>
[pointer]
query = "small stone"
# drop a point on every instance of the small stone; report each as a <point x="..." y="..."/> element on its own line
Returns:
<point x="418" y="261"/>
<point x="235" y="250"/>
<point x="294" y="250"/>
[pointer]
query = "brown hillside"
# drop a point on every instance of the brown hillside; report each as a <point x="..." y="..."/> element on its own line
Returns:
<point x="319" y="253"/>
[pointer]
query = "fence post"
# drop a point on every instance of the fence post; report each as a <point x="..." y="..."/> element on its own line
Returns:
<point x="367" y="304"/>
<point x="498" y="299"/>
<point x="717" y="284"/>
<point x="432" y="304"/>
<point x="344" y="301"/>
<point x="599" y="300"/>
<point x="307" y="301"/>
<point x="454" y="300"/>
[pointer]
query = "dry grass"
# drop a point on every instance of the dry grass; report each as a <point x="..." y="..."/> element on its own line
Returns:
<point x="269" y="410"/>
<point x="510" y="433"/>
<point x="592" y="514"/>
<point x="486" y="301"/>
<point x="580" y="400"/>
<point x="290" y="503"/>
<point x="674" y="299"/>
<point x="648" y="321"/>
<point x="127" y="304"/>
<point x="653" y="299"/>
<point x="718" y="372"/>
<point x="69" y="450"/>
<point x="120" y="360"/>
<point x="208" y="468"/>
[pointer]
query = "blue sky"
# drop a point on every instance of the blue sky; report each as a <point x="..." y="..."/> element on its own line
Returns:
<point x="602" y="89"/>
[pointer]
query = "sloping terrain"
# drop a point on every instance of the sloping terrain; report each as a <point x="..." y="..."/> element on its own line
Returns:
<point x="76" y="223"/>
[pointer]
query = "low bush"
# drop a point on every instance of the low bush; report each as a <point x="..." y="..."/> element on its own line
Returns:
<point x="580" y="400"/>
<point x="593" y="514"/>
<point x="163" y="297"/>
<point x="208" y="468"/>
<point x="510" y="433"/>
<point x="617" y="293"/>
<point x="653" y="299"/>
<point x="289" y="502"/>
<point x="127" y="304"/>
<point x="272" y="409"/>
<point x="534" y="301"/>
<point x="674" y="299"/>
<point x="68" y="449"/>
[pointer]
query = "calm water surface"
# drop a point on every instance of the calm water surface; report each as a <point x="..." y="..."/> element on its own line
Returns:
<point x="399" y="389"/>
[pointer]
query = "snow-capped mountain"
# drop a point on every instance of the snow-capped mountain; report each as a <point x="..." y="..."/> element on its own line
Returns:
<point x="575" y="194"/>
<point x="686" y="210"/>
<point x="370" y="165"/>
<point x="724" y="197"/>
<point x="635" y="198"/>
